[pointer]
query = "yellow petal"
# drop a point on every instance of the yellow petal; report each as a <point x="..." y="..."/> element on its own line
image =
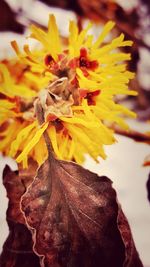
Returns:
<point x="80" y="121"/>
<point x="71" y="149"/>
<point x="107" y="28"/>
<point x="7" y="104"/>
<point x="23" y="134"/>
<point x="15" y="47"/>
<point x="32" y="143"/>
<point x="53" y="36"/>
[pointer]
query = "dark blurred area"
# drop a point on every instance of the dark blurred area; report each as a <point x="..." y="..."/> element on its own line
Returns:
<point x="8" y="20"/>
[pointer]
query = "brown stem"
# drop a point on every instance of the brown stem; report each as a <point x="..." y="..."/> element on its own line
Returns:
<point x="40" y="117"/>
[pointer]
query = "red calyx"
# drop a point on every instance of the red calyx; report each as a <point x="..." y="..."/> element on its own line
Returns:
<point x="61" y="56"/>
<point x="73" y="63"/>
<point x="84" y="62"/>
<point x="83" y="93"/>
<point x="93" y="64"/>
<point x="74" y="81"/>
<point x="91" y="97"/>
<point x="51" y="63"/>
<point x="51" y="117"/>
<point x="48" y="60"/>
<point x="83" y="52"/>
<point x="58" y="125"/>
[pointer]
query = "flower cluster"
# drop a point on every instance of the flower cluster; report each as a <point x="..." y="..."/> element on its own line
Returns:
<point x="76" y="83"/>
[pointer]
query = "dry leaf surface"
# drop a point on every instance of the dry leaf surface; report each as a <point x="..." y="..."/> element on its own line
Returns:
<point x="75" y="219"/>
<point x="17" y="249"/>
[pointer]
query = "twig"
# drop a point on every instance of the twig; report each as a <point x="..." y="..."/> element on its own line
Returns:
<point x="40" y="117"/>
<point x="135" y="135"/>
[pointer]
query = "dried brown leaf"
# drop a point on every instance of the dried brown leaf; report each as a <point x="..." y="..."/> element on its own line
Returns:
<point x="131" y="255"/>
<point x="17" y="249"/>
<point x="148" y="188"/>
<point x="75" y="219"/>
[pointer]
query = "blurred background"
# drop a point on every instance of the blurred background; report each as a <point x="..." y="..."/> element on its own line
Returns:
<point x="124" y="164"/>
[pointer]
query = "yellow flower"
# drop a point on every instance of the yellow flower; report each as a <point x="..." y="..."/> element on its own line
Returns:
<point x="76" y="85"/>
<point x="10" y="88"/>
